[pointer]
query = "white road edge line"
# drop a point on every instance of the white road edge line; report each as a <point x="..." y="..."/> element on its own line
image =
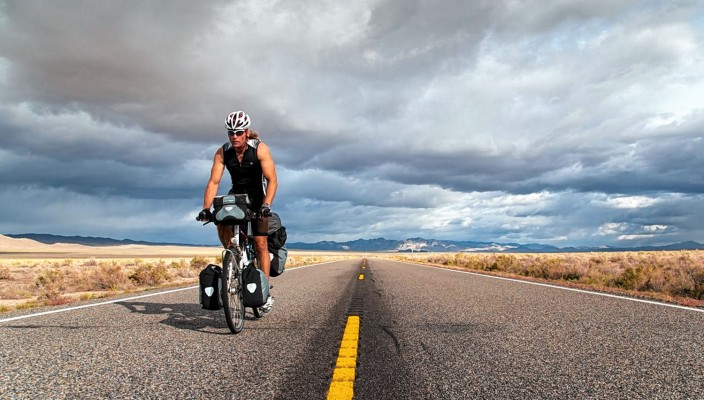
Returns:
<point x="94" y="304"/>
<point x="125" y="299"/>
<point x="657" y="303"/>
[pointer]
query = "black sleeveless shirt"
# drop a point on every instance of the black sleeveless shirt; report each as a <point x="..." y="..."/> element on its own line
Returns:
<point x="247" y="176"/>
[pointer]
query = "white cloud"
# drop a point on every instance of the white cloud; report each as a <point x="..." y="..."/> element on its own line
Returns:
<point x="654" y="228"/>
<point x="634" y="237"/>
<point x="611" y="228"/>
<point x="627" y="202"/>
<point x="631" y="231"/>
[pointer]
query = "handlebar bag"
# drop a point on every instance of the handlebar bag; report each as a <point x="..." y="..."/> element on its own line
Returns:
<point x="231" y="209"/>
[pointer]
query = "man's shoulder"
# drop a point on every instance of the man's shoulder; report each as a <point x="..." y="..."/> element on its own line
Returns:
<point x="263" y="152"/>
<point x="254" y="142"/>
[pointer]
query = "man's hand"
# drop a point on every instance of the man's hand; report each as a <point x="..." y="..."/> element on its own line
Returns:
<point x="205" y="215"/>
<point x="265" y="211"/>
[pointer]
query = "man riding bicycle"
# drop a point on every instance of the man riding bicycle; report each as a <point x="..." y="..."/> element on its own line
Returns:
<point x="252" y="170"/>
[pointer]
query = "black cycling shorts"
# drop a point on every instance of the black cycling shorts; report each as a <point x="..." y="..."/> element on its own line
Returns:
<point x="260" y="226"/>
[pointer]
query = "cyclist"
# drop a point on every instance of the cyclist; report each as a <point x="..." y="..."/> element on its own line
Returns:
<point x="252" y="170"/>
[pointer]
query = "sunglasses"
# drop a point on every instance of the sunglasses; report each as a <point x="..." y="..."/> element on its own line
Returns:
<point x="236" y="133"/>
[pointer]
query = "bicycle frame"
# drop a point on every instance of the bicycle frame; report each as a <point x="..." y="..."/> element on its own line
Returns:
<point x="235" y="258"/>
<point x="245" y="253"/>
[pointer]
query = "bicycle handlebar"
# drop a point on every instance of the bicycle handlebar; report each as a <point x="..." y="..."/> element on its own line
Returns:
<point x="250" y="215"/>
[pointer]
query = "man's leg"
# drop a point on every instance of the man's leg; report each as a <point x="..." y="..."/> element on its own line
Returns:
<point x="263" y="253"/>
<point x="260" y="229"/>
<point x="225" y="234"/>
<point x="264" y="263"/>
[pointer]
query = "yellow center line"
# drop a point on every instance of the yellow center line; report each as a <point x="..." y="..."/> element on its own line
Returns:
<point x="342" y="385"/>
<point x="361" y="277"/>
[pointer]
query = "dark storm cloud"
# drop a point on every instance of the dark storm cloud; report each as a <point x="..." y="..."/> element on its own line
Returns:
<point x="666" y="163"/>
<point x="70" y="136"/>
<point x="568" y="122"/>
<point x="111" y="59"/>
<point x="106" y="177"/>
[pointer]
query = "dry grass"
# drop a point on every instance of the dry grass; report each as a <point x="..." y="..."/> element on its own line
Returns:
<point x="671" y="276"/>
<point x="26" y="283"/>
<point x="32" y="282"/>
<point x="666" y="275"/>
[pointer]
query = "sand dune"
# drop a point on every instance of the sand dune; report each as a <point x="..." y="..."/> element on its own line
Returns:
<point x="27" y="248"/>
<point x="12" y="244"/>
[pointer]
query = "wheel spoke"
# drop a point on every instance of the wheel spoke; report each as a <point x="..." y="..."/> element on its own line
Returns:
<point x="231" y="295"/>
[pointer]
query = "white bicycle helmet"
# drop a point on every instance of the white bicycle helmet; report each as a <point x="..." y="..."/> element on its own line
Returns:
<point x="237" y="121"/>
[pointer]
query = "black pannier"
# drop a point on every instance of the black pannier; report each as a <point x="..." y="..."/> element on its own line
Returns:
<point x="278" y="261"/>
<point x="277" y="232"/>
<point x="255" y="287"/>
<point x="209" y="291"/>
<point x="276" y="242"/>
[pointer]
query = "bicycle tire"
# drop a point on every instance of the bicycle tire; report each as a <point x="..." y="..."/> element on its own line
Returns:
<point x="231" y="293"/>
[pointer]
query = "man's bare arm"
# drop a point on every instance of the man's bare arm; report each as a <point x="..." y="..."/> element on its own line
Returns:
<point x="211" y="189"/>
<point x="269" y="172"/>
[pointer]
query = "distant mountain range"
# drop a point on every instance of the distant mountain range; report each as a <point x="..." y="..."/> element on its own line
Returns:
<point x="383" y="245"/>
<point x="433" y="245"/>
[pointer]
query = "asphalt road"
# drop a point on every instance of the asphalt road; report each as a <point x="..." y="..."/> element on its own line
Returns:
<point x="426" y="333"/>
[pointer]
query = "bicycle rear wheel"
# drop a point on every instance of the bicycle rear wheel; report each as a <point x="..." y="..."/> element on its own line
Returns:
<point x="231" y="293"/>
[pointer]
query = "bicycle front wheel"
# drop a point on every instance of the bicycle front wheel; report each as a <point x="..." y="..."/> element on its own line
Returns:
<point x="231" y="293"/>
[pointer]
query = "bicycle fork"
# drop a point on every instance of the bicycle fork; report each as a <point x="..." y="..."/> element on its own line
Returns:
<point x="230" y="256"/>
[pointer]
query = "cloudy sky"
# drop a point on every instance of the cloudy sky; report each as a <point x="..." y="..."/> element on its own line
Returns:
<point x="561" y="122"/>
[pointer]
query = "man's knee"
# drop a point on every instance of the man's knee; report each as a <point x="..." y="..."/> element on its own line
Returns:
<point x="260" y="240"/>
